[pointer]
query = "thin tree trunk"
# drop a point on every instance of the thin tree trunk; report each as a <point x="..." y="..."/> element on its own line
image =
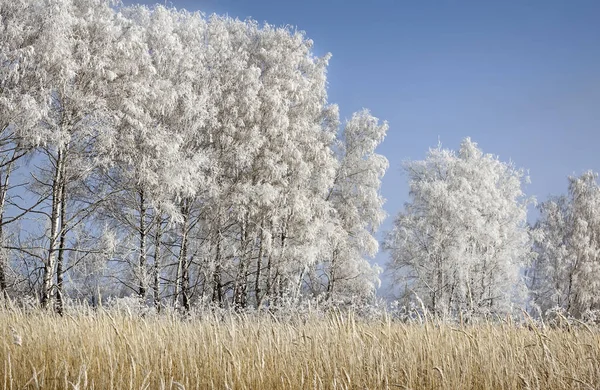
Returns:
<point x="332" y="277"/>
<point x="61" y="249"/>
<point x="482" y="294"/>
<point x="241" y="282"/>
<point x="439" y="287"/>
<point x="50" y="264"/>
<point x="142" y="255"/>
<point x="268" y="281"/>
<point x="3" y="255"/>
<point x="217" y="284"/>
<point x="470" y="283"/>
<point x="182" y="263"/>
<point x="156" y="282"/>
<point x="490" y="293"/>
<point x="258" y="268"/>
<point x="217" y="281"/>
<point x="3" y="262"/>
<point x="177" y="284"/>
<point x="185" y="286"/>
<point x="279" y="282"/>
<point x="299" y="285"/>
<point x="569" y="293"/>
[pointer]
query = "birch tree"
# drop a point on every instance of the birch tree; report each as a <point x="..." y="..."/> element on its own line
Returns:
<point x="357" y="210"/>
<point x="565" y="272"/>
<point x="79" y="45"/>
<point x="18" y="104"/>
<point x="462" y="240"/>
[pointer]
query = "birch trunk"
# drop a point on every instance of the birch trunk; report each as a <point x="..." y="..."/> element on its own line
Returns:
<point x="3" y="256"/>
<point x="61" y="249"/>
<point x="50" y="263"/>
<point x="182" y="279"/>
<point x="257" y="290"/>
<point x="142" y="255"/>
<point x="156" y="281"/>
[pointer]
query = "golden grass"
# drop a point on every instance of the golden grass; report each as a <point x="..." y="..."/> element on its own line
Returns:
<point x="339" y="352"/>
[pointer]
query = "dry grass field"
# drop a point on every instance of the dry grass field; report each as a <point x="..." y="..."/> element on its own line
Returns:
<point x="103" y="351"/>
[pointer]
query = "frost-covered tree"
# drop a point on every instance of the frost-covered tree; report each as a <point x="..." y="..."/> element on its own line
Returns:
<point x="462" y="240"/>
<point x="357" y="211"/>
<point x="73" y="56"/>
<point x="19" y="106"/>
<point x="567" y="240"/>
<point x="296" y="161"/>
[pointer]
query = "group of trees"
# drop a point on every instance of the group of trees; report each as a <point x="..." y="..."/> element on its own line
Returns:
<point x="191" y="160"/>
<point x="462" y="245"/>
<point x="181" y="158"/>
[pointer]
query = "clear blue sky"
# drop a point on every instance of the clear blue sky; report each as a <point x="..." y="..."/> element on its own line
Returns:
<point x="521" y="78"/>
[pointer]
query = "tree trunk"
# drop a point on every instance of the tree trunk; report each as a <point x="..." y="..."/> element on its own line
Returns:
<point x="439" y="287"/>
<point x="156" y="282"/>
<point x="482" y="292"/>
<point x="332" y="276"/>
<point x="182" y="261"/>
<point x="61" y="249"/>
<point x="142" y="255"/>
<point x="3" y="255"/>
<point x="299" y="285"/>
<point x="569" y="293"/>
<point x="50" y="264"/>
<point x="178" y="283"/>
<point x="470" y="284"/>
<point x="268" y="281"/>
<point x="258" y="268"/>
<point x="279" y="281"/>
<point x="217" y="284"/>
<point x="241" y="280"/>
<point x="3" y="262"/>
<point x="185" y="286"/>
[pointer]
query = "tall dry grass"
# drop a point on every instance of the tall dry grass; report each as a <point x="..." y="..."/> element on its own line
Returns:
<point x="104" y="351"/>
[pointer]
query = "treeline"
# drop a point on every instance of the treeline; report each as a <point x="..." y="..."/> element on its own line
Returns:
<point x="182" y="158"/>
<point x="192" y="160"/>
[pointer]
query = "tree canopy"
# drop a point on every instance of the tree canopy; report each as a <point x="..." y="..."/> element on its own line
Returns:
<point x="183" y="158"/>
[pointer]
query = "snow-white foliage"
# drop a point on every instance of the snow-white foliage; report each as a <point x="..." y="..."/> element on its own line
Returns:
<point x="205" y="147"/>
<point x="461" y="241"/>
<point x="567" y="240"/>
<point x="356" y="209"/>
<point x="18" y="77"/>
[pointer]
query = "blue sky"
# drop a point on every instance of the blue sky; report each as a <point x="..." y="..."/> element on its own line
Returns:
<point x="521" y="78"/>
